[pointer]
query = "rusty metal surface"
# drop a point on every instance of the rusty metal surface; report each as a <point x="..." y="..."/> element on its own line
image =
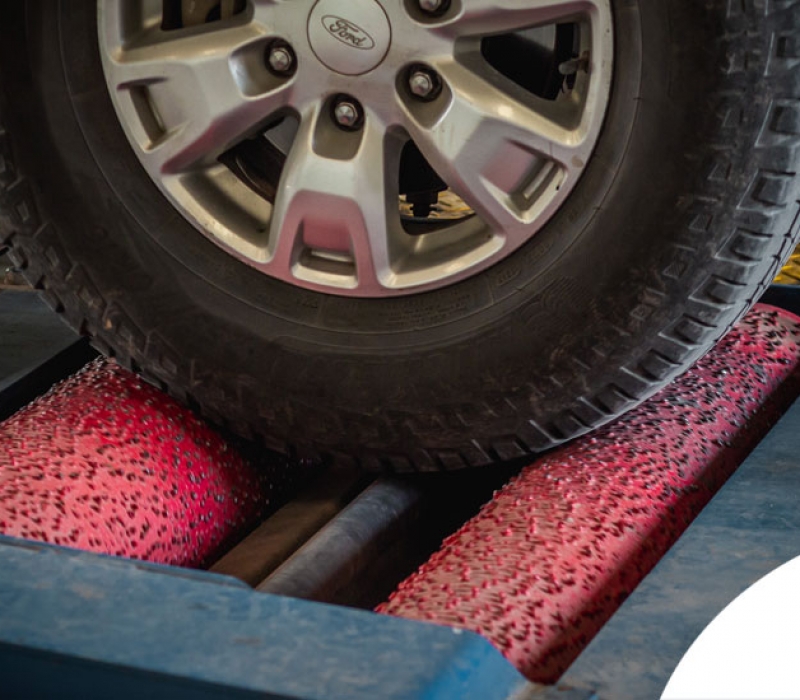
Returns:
<point x="547" y="562"/>
<point x="340" y="553"/>
<point x="260" y="553"/>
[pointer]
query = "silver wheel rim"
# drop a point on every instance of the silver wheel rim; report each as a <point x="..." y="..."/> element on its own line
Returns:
<point x="189" y="97"/>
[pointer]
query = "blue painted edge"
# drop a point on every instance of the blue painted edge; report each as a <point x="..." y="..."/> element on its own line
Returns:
<point x="749" y="529"/>
<point x="74" y="624"/>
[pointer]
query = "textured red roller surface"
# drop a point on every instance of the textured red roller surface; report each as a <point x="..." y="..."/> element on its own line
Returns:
<point x="107" y="463"/>
<point x="543" y="566"/>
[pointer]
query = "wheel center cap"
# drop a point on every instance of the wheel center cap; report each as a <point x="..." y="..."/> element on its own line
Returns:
<point x="349" y="36"/>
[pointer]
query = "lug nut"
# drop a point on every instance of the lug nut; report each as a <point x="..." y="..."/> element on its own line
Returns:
<point x="434" y="7"/>
<point x="424" y="84"/>
<point x="281" y="59"/>
<point x="348" y="113"/>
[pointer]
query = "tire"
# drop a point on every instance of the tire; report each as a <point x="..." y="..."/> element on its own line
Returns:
<point x="679" y="221"/>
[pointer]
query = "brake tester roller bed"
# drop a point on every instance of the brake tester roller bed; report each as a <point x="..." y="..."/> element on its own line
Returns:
<point x="543" y="572"/>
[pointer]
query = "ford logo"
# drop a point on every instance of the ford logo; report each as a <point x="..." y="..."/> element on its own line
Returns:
<point x="348" y="32"/>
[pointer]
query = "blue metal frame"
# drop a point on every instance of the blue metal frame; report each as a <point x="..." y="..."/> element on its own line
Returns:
<point x="74" y="624"/>
<point x="749" y="529"/>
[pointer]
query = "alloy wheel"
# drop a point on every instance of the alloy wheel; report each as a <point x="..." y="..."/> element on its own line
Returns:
<point x="358" y="147"/>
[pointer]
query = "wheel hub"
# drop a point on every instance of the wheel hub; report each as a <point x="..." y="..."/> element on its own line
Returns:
<point x="351" y="37"/>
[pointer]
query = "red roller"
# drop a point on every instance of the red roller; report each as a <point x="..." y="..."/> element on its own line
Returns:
<point x="107" y="463"/>
<point x="543" y="566"/>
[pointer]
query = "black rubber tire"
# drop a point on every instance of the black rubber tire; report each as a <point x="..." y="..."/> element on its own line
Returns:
<point x="684" y="214"/>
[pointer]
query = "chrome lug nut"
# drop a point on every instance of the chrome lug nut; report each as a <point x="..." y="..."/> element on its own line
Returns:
<point x="424" y="84"/>
<point x="281" y="59"/>
<point x="348" y="113"/>
<point x="434" y="7"/>
<point x="421" y="84"/>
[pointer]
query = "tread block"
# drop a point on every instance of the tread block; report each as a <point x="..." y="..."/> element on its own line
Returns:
<point x="475" y="456"/>
<point x="534" y="436"/>
<point x="508" y="448"/>
<point x="19" y="205"/>
<point x="749" y="245"/>
<point x="786" y="119"/>
<point x="588" y="413"/>
<point x="720" y="291"/>
<point x="692" y="331"/>
<point x="657" y="366"/>
<point x="614" y="399"/>
<point x="788" y="46"/>
<point x="450" y="460"/>
<point x="569" y="424"/>
<point x="772" y="189"/>
<point x="85" y="291"/>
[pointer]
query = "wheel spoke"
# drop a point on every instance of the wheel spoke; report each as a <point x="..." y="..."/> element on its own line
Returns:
<point x="338" y="194"/>
<point x="486" y="17"/>
<point x="189" y="90"/>
<point x="205" y="101"/>
<point x="483" y="131"/>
